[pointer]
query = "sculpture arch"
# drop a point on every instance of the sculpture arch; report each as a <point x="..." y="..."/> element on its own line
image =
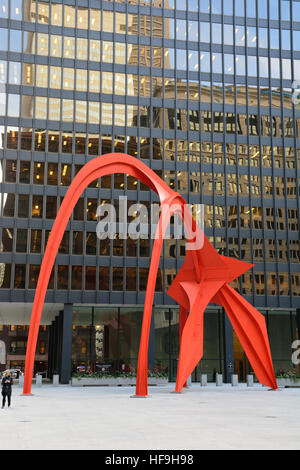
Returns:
<point x="98" y="167"/>
<point x="203" y="278"/>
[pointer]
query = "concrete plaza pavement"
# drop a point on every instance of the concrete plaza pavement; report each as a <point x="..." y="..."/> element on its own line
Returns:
<point x="93" y="418"/>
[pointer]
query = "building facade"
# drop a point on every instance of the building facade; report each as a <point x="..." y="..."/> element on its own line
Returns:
<point x="205" y="93"/>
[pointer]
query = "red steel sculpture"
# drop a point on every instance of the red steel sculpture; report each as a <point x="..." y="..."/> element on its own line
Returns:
<point x="203" y="278"/>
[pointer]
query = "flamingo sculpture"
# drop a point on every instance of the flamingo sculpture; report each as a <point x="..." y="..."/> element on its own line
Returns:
<point x="204" y="278"/>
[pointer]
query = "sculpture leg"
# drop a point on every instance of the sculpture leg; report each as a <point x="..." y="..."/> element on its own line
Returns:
<point x="191" y="348"/>
<point x="35" y="320"/>
<point x="142" y="368"/>
<point x="250" y="326"/>
<point x="183" y="316"/>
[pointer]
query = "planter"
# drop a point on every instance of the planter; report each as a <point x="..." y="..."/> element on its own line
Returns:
<point x="288" y="382"/>
<point x="114" y="381"/>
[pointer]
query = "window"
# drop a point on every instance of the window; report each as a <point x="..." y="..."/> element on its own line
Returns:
<point x="69" y="16"/>
<point x="15" y="40"/>
<point x="285" y="10"/>
<point x="274" y="10"/>
<point x="69" y="47"/>
<point x="56" y="14"/>
<point x="3" y="39"/>
<point x="20" y="276"/>
<point x="251" y="8"/>
<point x="56" y="46"/>
<point x="217" y="33"/>
<point x="216" y="7"/>
<point x="228" y="34"/>
<point x="95" y="19"/>
<point x="13" y="105"/>
<point x="21" y="241"/>
<point x="205" y="6"/>
<point x="42" y="44"/>
<point x="4" y="9"/>
<point x="274" y="38"/>
<point x="263" y="9"/>
<point x="204" y="32"/>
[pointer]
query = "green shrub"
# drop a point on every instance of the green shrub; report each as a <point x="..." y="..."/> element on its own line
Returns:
<point x="117" y="374"/>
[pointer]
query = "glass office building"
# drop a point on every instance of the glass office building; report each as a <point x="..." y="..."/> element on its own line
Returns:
<point x="205" y="92"/>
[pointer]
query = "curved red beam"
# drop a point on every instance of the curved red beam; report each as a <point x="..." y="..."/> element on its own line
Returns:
<point x="97" y="168"/>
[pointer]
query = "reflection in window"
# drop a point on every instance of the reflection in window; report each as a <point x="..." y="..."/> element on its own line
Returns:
<point x="54" y="109"/>
<point x="3" y="71"/>
<point x="40" y="107"/>
<point x="68" y="79"/>
<point x="205" y="62"/>
<point x="82" y="18"/>
<point x="94" y="81"/>
<point x="14" y="76"/>
<point x="56" y="46"/>
<point x="82" y="49"/>
<point x="95" y="50"/>
<point x="4" y="9"/>
<point x="107" y="51"/>
<point x="107" y="114"/>
<point x="95" y="19"/>
<point x="43" y="44"/>
<point x="7" y="240"/>
<point x="56" y="14"/>
<point x="81" y="111"/>
<point x="69" y="16"/>
<point x="67" y="110"/>
<point x="240" y="36"/>
<point x="69" y="47"/>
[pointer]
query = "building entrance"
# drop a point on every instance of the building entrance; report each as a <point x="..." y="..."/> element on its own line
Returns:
<point x="242" y="366"/>
<point x="106" y="339"/>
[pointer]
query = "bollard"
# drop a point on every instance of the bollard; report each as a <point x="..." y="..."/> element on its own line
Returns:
<point x="204" y="380"/>
<point x="55" y="380"/>
<point x="219" y="380"/>
<point x="21" y="380"/>
<point x="250" y="381"/>
<point x="234" y="380"/>
<point x="38" y="380"/>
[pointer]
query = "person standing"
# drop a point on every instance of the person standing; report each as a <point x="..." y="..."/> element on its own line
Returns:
<point x="7" y="383"/>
